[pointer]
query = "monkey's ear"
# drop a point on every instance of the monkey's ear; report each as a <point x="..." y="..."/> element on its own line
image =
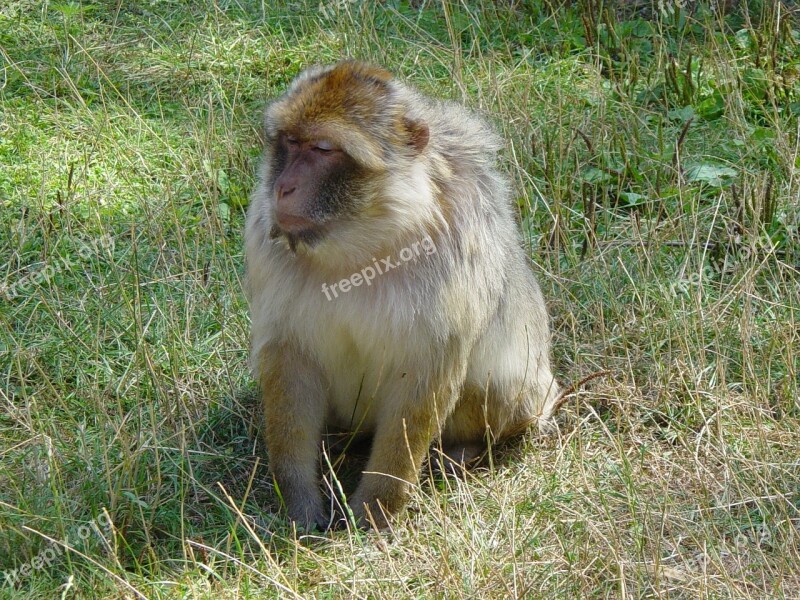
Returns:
<point x="418" y="134"/>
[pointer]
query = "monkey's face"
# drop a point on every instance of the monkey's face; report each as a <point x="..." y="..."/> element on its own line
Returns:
<point x="314" y="183"/>
<point x="340" y="150"/>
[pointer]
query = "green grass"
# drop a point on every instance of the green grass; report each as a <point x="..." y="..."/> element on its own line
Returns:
<point x="655" y="162"/>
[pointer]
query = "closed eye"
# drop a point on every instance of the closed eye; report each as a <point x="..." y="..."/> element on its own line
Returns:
<point x="324" y="146"/>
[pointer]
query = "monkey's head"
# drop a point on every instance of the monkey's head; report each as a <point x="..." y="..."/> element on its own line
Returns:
<point x="343" y="159"/>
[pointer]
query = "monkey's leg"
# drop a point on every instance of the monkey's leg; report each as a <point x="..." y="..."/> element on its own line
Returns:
<point x="471" y="428"/>
<point x="294" y="410"/>
<point x="402" y="438"/>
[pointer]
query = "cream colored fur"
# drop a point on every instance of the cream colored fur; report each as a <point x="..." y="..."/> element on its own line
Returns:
<point x="462" y="333"/>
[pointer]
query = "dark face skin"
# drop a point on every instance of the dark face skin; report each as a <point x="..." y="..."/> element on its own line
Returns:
<point x="315" y="182"/>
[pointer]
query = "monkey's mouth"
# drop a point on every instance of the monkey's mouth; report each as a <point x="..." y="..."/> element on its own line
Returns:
<point x="309" y="237"/>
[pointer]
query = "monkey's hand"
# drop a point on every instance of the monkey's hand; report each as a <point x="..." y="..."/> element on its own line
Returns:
<point x="371" y="513"/>
<point x="307" y="513"/>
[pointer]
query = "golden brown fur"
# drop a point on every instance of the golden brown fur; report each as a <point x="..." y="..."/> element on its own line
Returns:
<point x="452" y="344"/>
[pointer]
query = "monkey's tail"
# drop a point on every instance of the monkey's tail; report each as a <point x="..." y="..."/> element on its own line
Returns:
<point x="562" y="398"/>
<point x="546" y="422"/>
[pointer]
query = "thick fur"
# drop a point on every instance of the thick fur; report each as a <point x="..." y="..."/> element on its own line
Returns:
<point x="453" y="345"/>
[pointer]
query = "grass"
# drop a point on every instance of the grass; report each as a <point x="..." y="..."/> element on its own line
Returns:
<point x="655" y="158"/>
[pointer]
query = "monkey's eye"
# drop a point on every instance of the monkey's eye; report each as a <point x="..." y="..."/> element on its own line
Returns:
<point x="291" y="140"/>
<point x="324" y="146"/>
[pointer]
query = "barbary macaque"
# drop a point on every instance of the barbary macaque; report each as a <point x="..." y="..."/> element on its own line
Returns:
<point x="388" y="286"/>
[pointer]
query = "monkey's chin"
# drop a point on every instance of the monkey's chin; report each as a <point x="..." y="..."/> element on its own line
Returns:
<point x="307" y="237"/>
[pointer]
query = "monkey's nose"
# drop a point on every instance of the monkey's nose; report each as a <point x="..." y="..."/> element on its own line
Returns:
<point x="284" y="191"/>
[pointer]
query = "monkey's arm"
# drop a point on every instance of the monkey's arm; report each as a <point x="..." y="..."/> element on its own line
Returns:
<point x="411" y="418"/>
<point x="294" y="409"/>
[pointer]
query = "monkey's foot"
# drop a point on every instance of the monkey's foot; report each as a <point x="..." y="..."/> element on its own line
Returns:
<point x="455" y="459"/>
<point x="547" y="426"/>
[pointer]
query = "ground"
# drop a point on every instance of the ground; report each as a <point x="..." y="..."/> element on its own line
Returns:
<point x="654" y="156"/>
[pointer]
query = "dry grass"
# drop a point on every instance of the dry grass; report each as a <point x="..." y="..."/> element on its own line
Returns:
<point x="656" y="168"/>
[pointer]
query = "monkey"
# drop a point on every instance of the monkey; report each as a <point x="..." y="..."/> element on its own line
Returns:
<point x="433" y="328"/>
